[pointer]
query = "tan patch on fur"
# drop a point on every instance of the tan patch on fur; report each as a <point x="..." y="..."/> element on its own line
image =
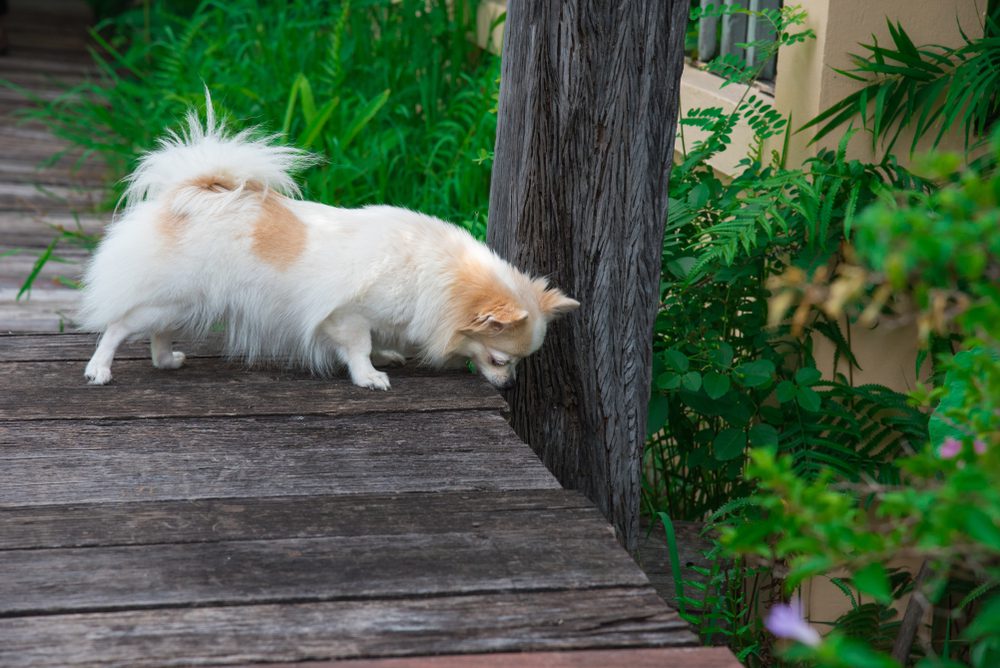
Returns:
<point x="172" y="224"/>
<point x="219" y="183"/>
<point x="487" y="310"/>
<point x="279" y="237"/>
<point x="552" y="301"/>
<point x="215" y="182"/>
<point x="515" y="340"/>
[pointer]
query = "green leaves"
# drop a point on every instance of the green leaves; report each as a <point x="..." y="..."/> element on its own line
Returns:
<point x="400" y="103"/>
<point x="800" y="390"/>
<point x="763" y="435"/>
<point x="676" y="360"/>
<point x="808" y="399"/>
<point x="691" y="381"/>
<point x="716" y="385"/>
<point x="729" y="444"/>
<point x="831" y="480"/>
<point x="785" y="391"/>
<point x="873" y="581"/>
<point x="755" y="374"/>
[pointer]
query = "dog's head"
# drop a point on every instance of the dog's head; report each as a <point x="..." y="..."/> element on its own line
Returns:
<point x="500" y="322"/>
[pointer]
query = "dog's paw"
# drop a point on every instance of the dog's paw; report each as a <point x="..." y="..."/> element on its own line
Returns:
<point x="388" y="358"/>
<point x="174" y="360"/>
<point x="373" y="380"/>
<point x="97" y="375"/>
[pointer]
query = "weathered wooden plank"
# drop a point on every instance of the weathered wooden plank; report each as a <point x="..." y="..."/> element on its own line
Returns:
<point x="34" y="197"/>
<point x="68" y="462"/>
<point x="19" y="62"/>
<point x="708" y="38"/>
<point x="33" y="80"/>
<point x="616" y="617"/>
<point x="47" y="310"/>
<point x="44" y="94"/>
<point x="68" y="263"/>
<point x="661" y="657"/>
<point x="76" y="346"/>
<point x="25" y="41"/>
<point x="36" y="390"/>
<point x="44" y="10"/>
<point x="28" y="169"/>
<point x="22" y="229"/>
<point x="263" y="518"/>
<point x="734" y="30"/>
<point x="464" y="554"/>
<point x="33" y="149"/>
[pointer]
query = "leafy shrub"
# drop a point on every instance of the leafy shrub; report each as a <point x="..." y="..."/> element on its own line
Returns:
<point x="802" y="476"/>
<point x="394" y="95"/>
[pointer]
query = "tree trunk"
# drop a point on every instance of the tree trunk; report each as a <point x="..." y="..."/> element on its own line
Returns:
<point x="585" y="136"/>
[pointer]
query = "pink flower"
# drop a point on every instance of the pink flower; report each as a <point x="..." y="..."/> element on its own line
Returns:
<point x="979" y="446"/>
<point x="785" y="621"/>
<point x="950" y="448"/>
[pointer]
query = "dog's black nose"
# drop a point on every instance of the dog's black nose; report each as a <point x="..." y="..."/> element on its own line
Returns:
<point x="505" y="385"/>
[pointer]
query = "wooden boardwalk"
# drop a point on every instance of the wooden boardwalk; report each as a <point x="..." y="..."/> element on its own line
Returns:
<point x="48" y="40"/>
<point x="217" y="515"/>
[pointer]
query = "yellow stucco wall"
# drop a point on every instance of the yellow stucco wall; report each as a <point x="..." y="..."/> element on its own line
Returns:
<point x="806" y="81"/>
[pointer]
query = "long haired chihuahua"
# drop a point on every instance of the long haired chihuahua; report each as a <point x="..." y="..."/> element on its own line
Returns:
<point x="212" y="231"/>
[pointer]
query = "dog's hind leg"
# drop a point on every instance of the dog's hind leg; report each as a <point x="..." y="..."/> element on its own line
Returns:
<point x="137" y="321"/>
<point x="352" y="335"/>
<point x="161" y="350"/>
<point x="98" y="370"/>
<point x="388" y="357"/>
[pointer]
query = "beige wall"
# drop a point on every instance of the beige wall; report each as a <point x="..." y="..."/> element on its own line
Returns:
<point x="487" y="15"/>
<point x="806" y="82"/>
<point x="700" y="90"/>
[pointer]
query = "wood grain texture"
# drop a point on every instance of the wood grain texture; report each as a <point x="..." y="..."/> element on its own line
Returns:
<point x="45" y="347"/>
<point x="66" y="461"/>
<point x="48" y="53"/>
<point x="470" y="555"/>
<point x="665" y="657"/>
<point x="207" y="387"/>
<point x="525" y="621"/>
<point x="263" y="518"/>
<point x="585" y="132"/>
<point x="47" y="310"/>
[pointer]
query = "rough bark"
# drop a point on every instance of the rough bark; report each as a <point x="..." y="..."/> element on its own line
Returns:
<point x="587" y="113"/>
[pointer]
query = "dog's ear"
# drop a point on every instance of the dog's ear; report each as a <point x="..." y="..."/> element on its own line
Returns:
<point x="495" y="318"/>
<point x="553" y="302"/>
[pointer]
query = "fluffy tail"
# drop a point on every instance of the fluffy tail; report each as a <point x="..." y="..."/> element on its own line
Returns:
<point x="208" y="152"/>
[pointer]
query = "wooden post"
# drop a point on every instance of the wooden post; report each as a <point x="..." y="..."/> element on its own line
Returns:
<point x="587" y="115"/>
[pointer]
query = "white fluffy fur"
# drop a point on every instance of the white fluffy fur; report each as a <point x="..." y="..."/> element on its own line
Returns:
<point x="379" y="281"/>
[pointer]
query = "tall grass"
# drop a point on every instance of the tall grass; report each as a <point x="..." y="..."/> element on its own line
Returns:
<point x="394" y="95"/>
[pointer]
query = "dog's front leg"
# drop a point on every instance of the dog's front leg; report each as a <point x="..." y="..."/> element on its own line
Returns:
<point x="352" y="335"/>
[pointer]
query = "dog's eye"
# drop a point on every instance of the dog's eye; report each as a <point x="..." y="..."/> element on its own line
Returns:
<point x="498" y="362"/>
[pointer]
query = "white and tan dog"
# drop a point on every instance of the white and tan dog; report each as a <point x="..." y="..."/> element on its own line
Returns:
<point x="211" y="233"/>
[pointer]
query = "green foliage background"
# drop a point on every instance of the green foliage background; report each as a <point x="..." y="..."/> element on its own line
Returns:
<point x="801" y="476"/>
<point x="395" y="96"/>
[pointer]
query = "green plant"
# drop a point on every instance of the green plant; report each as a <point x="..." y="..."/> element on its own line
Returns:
<point x="937" y="251"/>
<point x="926" y="88"/>
<point x="393" y="95"/>
<point x="754" y="269"/>
<point x="723" y="380"/>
